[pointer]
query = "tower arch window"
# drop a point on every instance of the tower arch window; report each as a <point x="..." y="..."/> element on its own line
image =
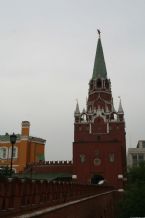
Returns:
<point x="106" y="84"/>
<point x="3" y="153"/>
<point x="99" y="83"/>
<point x="84" y="117"/>
<point x="15" y="152"/>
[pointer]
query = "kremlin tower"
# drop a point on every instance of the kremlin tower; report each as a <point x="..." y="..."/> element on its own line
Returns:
<point x="99" y="148"/>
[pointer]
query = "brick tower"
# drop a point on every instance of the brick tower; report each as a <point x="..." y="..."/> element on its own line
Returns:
<point x="99" y="148"/>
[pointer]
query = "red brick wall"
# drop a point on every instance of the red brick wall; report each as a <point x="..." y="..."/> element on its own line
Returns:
<point x="109" y="170"/>
<point x="51" y="167"/>
<point x="22" y="196"/>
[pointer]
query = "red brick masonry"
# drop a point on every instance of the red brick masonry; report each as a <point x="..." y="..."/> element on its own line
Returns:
<point x="54" y="199"/>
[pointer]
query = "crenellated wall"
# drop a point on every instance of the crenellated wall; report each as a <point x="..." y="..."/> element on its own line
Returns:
<point x="50" y="167"/>
<point x="67" y="162"/>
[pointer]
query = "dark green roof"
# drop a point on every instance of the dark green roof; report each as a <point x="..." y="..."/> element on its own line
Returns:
<point x="6" y="137"/>
<point x="47" y="176"/>
<point x="99" y="63"/>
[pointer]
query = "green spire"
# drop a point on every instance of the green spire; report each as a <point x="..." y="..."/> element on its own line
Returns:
<point x="99" y="64"/>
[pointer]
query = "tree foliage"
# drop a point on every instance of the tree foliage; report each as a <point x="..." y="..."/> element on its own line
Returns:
<point x="5" y="171"/>
<point x="133" y="202"/>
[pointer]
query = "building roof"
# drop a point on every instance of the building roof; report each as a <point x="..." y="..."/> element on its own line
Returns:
<point x="120" y="109"/>
<point x="99" y="63"/>
<point x="6" y="138"/>
<point x="36" y="139"/>
<point x="47" y="176"/>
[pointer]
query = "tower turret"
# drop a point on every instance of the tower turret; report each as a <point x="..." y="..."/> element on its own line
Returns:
<point x="99" y="131"/>
<point x="120" y="108"/>
<point x="120" y="112"/>
<point x="77" y="113"/>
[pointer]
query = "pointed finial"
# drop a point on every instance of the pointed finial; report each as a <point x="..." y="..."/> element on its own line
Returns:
<point x="99" y="32"/>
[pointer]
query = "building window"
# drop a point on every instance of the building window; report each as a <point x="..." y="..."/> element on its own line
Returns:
<point x="82" y="158"/>
<point x="134" y="159"/>
<point x="15" y="152"/>
<point x="140" y="157"/>
<point x="3" y="153"/>
<point x="111" y="157"/>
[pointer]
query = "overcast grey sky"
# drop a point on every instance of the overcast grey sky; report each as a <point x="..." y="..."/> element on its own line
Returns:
<point x="47" y="50"/>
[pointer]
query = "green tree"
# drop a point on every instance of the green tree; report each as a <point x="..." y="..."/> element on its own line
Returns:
<point x="5" y="171"/>
<point x="133" y="202"/>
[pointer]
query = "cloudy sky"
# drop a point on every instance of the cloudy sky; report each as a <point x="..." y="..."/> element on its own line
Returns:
<point x="47" y="50"/>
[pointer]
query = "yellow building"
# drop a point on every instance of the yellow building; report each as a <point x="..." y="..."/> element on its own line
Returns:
<point x="27" y="149"/>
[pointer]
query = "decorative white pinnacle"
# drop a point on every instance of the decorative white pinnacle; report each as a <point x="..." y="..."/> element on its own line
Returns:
<point x="120" y="109"/>
<point x="113" y="108"/>
<point x="77" y="111"/>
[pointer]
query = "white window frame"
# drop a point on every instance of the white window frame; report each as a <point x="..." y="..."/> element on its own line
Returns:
<point x="15" y="152"/>
<point x="2" y="156"/>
